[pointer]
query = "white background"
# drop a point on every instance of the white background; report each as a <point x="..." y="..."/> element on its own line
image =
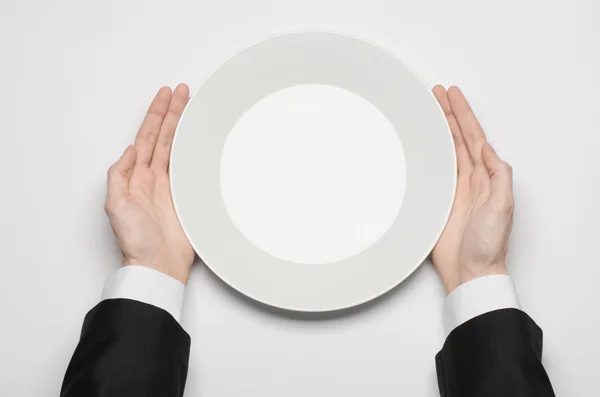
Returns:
<point x="76" y="77"/>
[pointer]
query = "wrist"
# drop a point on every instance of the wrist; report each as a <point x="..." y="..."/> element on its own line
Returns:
<point x="178" y="273"/>
<point x="471" y="272"/>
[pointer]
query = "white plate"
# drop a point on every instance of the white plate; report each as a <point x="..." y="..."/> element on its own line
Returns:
<point x="336" y="60"/>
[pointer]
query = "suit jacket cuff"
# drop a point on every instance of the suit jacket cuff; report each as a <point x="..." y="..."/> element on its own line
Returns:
<point x="148" y="286"/>
<point x="477" y="297"/>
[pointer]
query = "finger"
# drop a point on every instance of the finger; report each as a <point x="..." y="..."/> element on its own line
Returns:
<point x="501" y="177"/>
<point x="150" y="128"/>
<point x="472" y="132"/>
<point x="118" y="176"/>
<point x="463" y="158"/>
<point x="162" y="151"/>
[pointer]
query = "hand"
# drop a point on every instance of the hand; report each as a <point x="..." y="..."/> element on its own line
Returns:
<point x="475" y="240"/>
<point x="138" y="201"/>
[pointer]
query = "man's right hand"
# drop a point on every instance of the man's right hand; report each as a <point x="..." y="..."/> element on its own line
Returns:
<point x="475" y="240"/>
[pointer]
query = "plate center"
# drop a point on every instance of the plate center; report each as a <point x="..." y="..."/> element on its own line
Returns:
<point x="313" y="174"/>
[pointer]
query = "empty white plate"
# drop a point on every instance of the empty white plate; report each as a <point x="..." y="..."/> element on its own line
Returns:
<point x="281" y="109"/>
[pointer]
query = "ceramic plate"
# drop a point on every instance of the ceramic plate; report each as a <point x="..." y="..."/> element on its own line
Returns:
<point x="339" y="61"/>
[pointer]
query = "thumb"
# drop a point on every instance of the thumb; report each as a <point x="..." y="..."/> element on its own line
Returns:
<point x="119" y="174"/>
<point x="500" y="173"/>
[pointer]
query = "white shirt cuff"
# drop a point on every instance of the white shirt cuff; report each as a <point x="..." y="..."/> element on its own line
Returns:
<point x="148" y="286"/>
<point x="477" y="297"/>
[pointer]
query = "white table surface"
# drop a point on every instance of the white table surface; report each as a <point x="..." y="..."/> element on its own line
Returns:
<point x="76" y="77"/>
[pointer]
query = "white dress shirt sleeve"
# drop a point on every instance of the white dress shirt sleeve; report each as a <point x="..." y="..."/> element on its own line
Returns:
<point x="477" y="297"/>
<point x="148" y="286"/>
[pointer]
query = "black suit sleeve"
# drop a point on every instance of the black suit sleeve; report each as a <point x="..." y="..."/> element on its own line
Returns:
<point x="128" y="349"/>
<point x="497" y="354"/>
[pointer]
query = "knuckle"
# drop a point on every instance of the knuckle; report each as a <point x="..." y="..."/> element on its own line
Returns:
<point x="144" y="137"/>
<point x="505" y="204"/>
<point x="112" y="170"/>
<point x="149" y="137"/>
<point x="510" y="205"/>
<point x="507" y="167"/>
<point x="458" y="141"/>
<point x="159" y="107"/>
<point x="108" y="207"/>
<point x="175" y="111"/>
